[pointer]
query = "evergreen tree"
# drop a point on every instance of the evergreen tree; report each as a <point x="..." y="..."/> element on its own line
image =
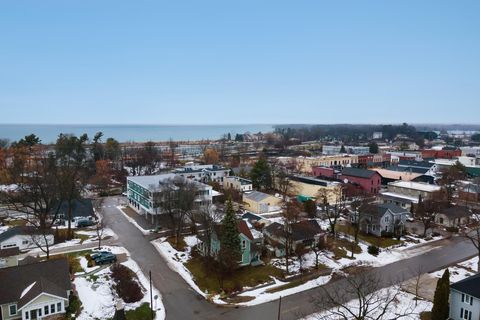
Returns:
<point x="440" y="310"/>
<point x="342" y="149"/>
<point x="261" y="174"/>
<point x="230" y="252"/>
<point x="373" y="147"/>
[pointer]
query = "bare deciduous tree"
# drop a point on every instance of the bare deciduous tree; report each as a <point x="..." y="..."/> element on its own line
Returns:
<point x="361" y="297"/>
<point x="33" y="172"/>
<point x="473" y="234"/>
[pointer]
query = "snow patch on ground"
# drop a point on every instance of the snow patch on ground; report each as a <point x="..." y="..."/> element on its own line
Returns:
<point x="98" y="297"/>
<point x="404" y="305"/>
<point x="459" y="271"/>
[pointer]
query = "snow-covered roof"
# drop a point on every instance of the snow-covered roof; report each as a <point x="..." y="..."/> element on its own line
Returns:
<point x="399" y="196"/>
<point x="25" y="291"/>
<point x="415" y="185"/>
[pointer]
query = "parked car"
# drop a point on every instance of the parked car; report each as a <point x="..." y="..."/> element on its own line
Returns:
<point x="85" y="223"/>
<point x="98" y="254"/>
<point x="409" y="218"/>
<point x="106" y="257"/>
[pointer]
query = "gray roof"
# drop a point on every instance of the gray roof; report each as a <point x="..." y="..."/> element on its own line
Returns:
<point x="80" y="208"/>
<point x="51" y="276"/>
<point x="361" y="173"/>
<point x="302" y="230"/>
<point x="18" y="230"/>
<point x="456" y="212"/>
<point x="470" y="286"/>
<point x="378" y="210"/>
<point x="256" y="196"/>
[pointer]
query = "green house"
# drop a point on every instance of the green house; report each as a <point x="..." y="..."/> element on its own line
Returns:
<point x="250" y="245"/>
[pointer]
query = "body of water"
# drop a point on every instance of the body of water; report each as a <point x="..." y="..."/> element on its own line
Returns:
<point x="137" y="133"/>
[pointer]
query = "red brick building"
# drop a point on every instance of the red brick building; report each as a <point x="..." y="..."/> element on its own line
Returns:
<point x="323" y="172"/>
<point x="369" y="180"/>
<point x="441" y="154"/>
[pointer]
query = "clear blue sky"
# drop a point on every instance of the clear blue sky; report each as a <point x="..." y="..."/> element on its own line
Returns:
<point x="206" y="62"/>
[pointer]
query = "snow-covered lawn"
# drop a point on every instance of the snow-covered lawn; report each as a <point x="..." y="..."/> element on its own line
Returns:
<point x="99" y="298"/>
<point x="459" y="271"/>
<point x="403" y="304"/>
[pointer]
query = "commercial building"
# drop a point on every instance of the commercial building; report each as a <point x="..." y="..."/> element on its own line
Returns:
<point x="404" y="193"/>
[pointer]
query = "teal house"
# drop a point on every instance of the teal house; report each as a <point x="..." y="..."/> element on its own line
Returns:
<point x="250" y="245"/>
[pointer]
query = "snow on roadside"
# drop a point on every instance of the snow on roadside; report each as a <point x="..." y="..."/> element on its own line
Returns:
<point x="132" y="221"/>
<point x="98" y="297"/>
<point x="176" y="259"/>
<point x="459" y="271"/>
<point x="261" y="295"/>
<point x="403" y="305"/>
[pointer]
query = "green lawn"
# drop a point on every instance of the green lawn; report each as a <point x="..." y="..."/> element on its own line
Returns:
<point x="141" y="313"/>
<point x="381" y="242"/>
<point x="15" y="223"/>
<point x="339" y="248"/>
<point x="243" y="277"/>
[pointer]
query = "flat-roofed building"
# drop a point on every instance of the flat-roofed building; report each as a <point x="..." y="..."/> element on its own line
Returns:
<point x="321" y="190"/>
<point x="404" y="193"/>
<point x="237" y="183"/>
<point x="144" y="192"/>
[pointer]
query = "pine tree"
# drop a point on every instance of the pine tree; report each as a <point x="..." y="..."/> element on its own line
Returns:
<point x="230" y="252"/>
<point x="440" y="310"/>
<point x="261" y="174"/>
<point x="342" y="149"/>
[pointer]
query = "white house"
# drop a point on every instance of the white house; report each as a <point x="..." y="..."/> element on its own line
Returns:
<point x="237" y="183"/>
<point x="24" y="238"/>
<point x="203" y="173"/>
<point x="465" y="299"/>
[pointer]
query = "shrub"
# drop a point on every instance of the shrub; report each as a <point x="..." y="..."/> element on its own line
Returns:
<point x="90" y="262"/>
<point x="450" y="229"/>
<point x="74" y="307"/>
<point x="126" y="284"/>
<point x="373" y="250"/>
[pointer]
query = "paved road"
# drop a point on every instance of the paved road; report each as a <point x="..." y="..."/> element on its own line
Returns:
<point x="183" y="303"/>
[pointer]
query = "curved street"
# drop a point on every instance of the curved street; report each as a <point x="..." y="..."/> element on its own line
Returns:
<point x="182" y="302"/>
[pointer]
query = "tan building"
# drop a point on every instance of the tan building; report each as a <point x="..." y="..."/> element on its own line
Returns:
<point x="306" y="164"/>
<point x="259" y="202"/>
<point x="237" y="183"/>
<point x="316" y="188"/>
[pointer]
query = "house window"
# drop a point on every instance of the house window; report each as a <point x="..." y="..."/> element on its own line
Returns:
<point x="12" y="309"/>
<point x="59" y="307"/>
<point x="52" y="308"/>
<point x="25" y="242"/>
<point x="45" y="310"/>
<point x="244" y="244"/>
<point x="27" y="315"/>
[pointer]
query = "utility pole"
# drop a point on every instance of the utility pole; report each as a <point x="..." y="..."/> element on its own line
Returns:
<point x="279" y="307"/>
<point x="151" y="293"/>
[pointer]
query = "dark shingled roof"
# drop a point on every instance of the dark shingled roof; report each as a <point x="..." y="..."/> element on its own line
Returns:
<point x="360" y="173"/>
<point x="377" y="210"/>
<point x="80" y="208"/>
<point x="302" y="230"/>
<point x="470" y="286"/>
<point x="457" y="212"/>
<point x="51" y="276"/>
